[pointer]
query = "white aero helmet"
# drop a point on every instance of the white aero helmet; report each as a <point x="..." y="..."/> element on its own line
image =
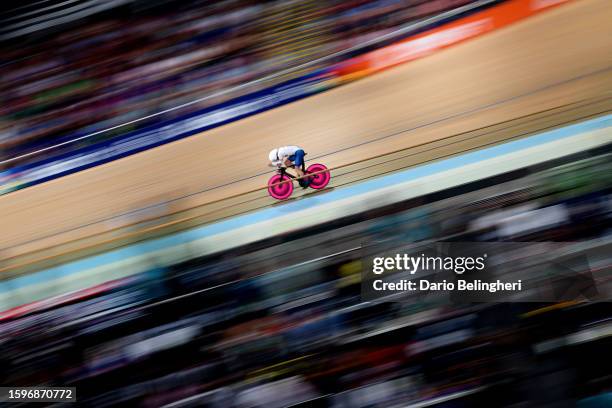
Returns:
<point x="273" y="156"/>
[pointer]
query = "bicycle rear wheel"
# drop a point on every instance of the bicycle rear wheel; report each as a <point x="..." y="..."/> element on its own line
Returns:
<point x="320" y="180"/>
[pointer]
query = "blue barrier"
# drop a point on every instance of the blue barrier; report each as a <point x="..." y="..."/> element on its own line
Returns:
<point x="164" y="132"/>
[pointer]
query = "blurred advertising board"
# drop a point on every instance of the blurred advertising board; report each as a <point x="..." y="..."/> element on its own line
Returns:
<point x="434" y="40"/>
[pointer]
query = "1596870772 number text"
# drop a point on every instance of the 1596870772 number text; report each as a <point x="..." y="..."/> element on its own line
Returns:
<point x="37" y="394"/>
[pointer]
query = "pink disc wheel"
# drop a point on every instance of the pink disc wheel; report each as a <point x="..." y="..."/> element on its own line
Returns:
<point x="280" y="191"/>
<point x="320" y="180"/>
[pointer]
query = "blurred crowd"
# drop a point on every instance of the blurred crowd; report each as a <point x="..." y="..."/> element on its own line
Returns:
<point x="119" y="66"/>
<point x="282" y="323"/>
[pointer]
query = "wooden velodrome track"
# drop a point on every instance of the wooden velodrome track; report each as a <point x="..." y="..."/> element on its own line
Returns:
<point x="548" y="70"/>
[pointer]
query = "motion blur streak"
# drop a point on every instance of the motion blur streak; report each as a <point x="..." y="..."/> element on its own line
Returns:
<point x="395" y="34"/>
<point x="168" y="278"/>
<point x="341" y="117"/>
<point x="272" y="325"/>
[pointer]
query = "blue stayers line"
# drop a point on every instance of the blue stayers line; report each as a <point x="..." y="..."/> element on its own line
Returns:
<point x="152" y="246"/>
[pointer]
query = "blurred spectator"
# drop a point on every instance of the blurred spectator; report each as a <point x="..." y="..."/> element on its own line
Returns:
<point x="120" y="66"/>
<point x="278" y="326"/>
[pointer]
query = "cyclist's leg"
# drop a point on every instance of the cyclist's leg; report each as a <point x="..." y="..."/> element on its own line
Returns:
<point x="298" y="162"/>
<point x="299" y="166"/>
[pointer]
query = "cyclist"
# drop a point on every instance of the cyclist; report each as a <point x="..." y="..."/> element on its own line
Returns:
<point x="287" y="156"/>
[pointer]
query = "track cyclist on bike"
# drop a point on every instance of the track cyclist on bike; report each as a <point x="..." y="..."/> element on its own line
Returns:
<point x="287" y="156"/>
